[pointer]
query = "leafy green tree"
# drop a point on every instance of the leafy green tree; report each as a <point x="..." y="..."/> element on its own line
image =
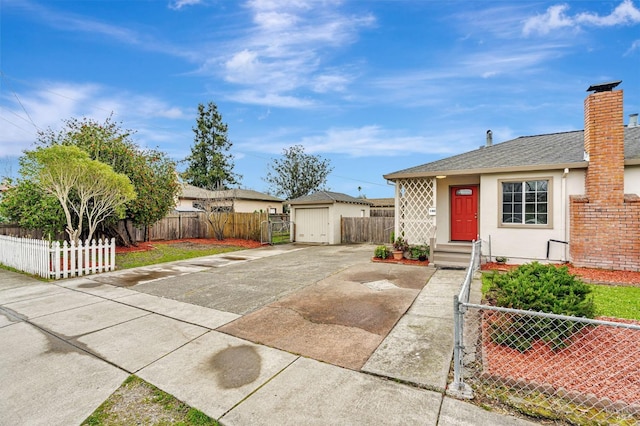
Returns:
<point x="28" y="206"/>
<point x="210" y="165"/>
<point x="297" y="174"/>
<point x="86" y="189"/>
<point x="151" y="172"/>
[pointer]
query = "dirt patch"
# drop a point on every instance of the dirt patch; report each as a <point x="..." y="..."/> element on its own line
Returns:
<point x="137" y="402"/>
<point x="590" y="275"/>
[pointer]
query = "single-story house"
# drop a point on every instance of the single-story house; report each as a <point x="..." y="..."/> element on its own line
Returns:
<point x="316" y="217"/>
<point x="232" y="200"/>
<point x="382" y="207"/>
<point x="569" y="196"/>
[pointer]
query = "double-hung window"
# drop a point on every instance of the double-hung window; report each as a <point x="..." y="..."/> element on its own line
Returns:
<point x="525" y="202"/>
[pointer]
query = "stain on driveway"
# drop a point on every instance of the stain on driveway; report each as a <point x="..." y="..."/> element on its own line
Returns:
<point x="341" y="319"/>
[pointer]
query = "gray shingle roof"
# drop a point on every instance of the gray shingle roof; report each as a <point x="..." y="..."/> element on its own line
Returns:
<point x="382" y="202"/>
<point x="190" y="191"/>
<point x="555" y="150"/>
<point x="327" y="197"/>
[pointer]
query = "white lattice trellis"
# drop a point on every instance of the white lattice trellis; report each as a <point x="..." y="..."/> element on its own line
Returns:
<point x="414" y="198"/>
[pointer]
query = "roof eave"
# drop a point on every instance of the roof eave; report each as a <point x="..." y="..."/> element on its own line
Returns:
<point x="316" y="202"/>
<point x="491" y="170"/>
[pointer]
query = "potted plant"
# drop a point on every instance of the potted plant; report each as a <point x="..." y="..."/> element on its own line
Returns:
<point x="420" y="252"/>
<point x="400" y="245"/>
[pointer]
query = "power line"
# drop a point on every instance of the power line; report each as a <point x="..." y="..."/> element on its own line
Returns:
<point x="21" y="128"/>
<point x="14" y="113"/>
<point x="18" y="99"/>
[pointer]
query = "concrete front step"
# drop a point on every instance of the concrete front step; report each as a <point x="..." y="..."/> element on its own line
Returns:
<point x="452" y="256"/>
<point x="451" y="264"/>
<point x="454" y="248"/>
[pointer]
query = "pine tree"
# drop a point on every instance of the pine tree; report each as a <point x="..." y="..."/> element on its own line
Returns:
<point x="210" y="165"/>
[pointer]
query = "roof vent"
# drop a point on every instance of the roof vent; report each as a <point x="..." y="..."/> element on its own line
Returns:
<point x="490" y="136"/>
<point x="603" y="87"/>
<point x="633" y="120"/>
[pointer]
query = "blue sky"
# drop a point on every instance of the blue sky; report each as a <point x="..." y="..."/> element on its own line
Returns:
<point x="375" y="86"/>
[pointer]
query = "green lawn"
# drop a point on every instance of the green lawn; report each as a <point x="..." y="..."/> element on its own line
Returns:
<point x="616" y="301"/>
<point x="610" y="301"/>
<point x="169" y="253"/>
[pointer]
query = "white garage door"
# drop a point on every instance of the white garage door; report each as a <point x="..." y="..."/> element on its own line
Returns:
<point x="312" y="225"/>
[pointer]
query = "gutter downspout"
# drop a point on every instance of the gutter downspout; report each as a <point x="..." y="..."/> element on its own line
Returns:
<point x="564" y="212"/>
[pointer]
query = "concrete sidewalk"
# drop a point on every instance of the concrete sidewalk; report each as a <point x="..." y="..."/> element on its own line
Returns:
<point x="66" y="346"/>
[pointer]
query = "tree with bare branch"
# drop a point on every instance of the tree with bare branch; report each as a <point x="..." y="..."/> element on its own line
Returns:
<point x="217" y="206"/>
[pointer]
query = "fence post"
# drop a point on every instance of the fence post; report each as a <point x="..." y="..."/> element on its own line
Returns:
<point x="112" y="257"/>
<point x="56" y="260"/>
<point x="65" y="259"/>
<point x="458" y="388"/>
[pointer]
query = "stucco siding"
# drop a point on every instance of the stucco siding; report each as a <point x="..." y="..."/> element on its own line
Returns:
<point x="250" y="206"/>
<point x="521" y="244"/>
<point x="340" y="210"/>
<point x="632" y="180"/>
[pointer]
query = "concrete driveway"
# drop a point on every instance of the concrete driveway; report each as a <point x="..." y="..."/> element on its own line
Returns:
<point x="67" y="345"/>
<point x="328" y="303"/>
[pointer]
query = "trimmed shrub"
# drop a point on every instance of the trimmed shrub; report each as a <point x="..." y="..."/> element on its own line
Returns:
<point x="541" y="288"/>
<point x="381" y="252"/>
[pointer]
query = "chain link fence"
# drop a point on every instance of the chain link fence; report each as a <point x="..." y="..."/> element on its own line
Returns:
<point x="577" y="370"/>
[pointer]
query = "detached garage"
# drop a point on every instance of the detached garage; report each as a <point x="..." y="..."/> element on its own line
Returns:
<point x="316" y="217"/>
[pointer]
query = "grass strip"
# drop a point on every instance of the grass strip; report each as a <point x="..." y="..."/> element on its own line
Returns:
<point x="138" y="402"/>
<point x="162" y="253"/>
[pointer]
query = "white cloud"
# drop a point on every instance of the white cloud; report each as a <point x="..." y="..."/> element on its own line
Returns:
<point x="634" y="47"/>
<point x="270" y="99"/>
<point x="275" y="21"/>
<point x="367" y="141"/>
<point x="48" y="104"/>
<point x="73" y="22"/>
<point x="625" y="14"/>
<point x="286" y="49"/>
<point x="179" y="4"/>
<point x="330" y="83"/>
<point x="556" y="17"/>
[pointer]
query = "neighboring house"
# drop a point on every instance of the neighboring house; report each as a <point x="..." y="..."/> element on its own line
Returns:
<point x="568" y="196"/>
<point x="232" y="200"/>
<point x="316" y="217"/>
<point x="382" y="207"/>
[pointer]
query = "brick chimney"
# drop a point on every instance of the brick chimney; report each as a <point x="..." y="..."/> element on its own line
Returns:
<point x="604" y="225"/>
<point x="604" y="144"/>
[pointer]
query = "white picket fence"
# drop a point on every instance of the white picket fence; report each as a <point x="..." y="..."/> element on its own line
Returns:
<point x="54" y="260"/>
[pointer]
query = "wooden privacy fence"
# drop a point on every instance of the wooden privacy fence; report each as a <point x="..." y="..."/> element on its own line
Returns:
<point x="177" y="226"/>
<point x="375" y="230"/>
<point x="14" y="230"/>
<point x="174" y="226"/>
<point x="54" y="260"/>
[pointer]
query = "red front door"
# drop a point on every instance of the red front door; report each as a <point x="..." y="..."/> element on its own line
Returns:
<point x="464" y="213"/>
